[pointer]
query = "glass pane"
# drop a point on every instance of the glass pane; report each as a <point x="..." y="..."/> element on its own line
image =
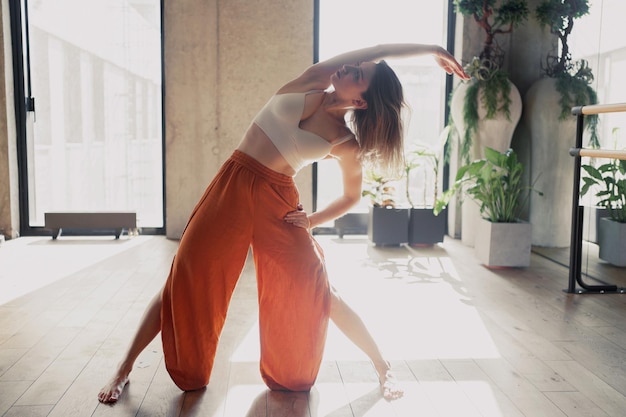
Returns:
<point x="351" y="24"/>
<point x="96" y="142"/>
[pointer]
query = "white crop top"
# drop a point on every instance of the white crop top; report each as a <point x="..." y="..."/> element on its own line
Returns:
<point x="280" y="120"/>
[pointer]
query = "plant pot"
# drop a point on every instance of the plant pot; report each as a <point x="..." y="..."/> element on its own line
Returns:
<point x="351" y="224"/>
<point x="552" y="165"/>
<point x="612" y="241"/>
<point x="388" y="226"/>
<point x="425" y="228"/>
<point x="503" y="244"/>
<point x="592" y="217"/>
<point x="495" y="133"/>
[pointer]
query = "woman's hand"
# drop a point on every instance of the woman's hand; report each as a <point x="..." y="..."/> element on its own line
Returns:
<point x="450" y="65"/>
<point x="298" y="218"/>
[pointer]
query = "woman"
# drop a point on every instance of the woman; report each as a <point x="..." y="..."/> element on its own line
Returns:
<point x="254" y="203"/>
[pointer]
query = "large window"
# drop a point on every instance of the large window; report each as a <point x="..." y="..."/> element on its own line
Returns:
<point x="351" y="24"/>
<point x="94" y="139"/>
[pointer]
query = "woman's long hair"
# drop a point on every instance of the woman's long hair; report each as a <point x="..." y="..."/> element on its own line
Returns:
<point x="379" y="127"/>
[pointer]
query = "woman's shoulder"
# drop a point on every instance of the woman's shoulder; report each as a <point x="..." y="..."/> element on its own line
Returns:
<point x="307" y="82"/>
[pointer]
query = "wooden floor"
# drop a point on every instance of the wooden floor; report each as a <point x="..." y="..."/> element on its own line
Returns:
<point x="464" y="340"/>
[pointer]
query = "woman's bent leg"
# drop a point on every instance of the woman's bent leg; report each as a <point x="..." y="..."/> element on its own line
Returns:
<point x="349" y="322"/>
<point x="149" y="327"/>
<point x="208" y="263"/>
<point x="294" y="304"/>
<point x="294" y="296"/>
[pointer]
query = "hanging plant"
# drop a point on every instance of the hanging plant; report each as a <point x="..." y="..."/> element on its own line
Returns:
<point x="573" y="78"/>
<point x="494" y="83"/>
<point x="486" y="69"/>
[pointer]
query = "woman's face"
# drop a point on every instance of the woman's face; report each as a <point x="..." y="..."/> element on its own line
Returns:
<point x="351" y="81"/>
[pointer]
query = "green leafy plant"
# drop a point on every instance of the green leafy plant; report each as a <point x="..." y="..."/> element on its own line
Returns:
<point x="609" y="179"/>
<point x="495" y="183"/>
<point x="486" y="69"/>
<point x="380" y="190"/>
<point x="573" y="78"/>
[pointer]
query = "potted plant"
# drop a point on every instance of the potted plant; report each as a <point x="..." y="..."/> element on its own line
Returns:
<point x="496" y="184"/>
<point x="566" y="83"/>
<point x="422" y="167"/>
<point x="609" y="182"/>
<point x="486" y="110"/>
<point x="388" y="225"/>
<point x="489" y="95"/>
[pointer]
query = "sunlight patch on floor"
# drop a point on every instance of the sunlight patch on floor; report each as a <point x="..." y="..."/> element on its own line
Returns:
<point x="30" y="263"/>
<point x="412" y="300"/>
<point x="242" y="399"/>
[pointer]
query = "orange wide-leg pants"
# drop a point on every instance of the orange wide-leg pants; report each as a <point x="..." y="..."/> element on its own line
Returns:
<point x="244" y="206"/>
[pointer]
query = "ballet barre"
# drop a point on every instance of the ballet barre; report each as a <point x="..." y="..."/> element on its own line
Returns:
<point x="598" y="153"/>
<point x="599" y="109"/>
<point x="576" y="241"/>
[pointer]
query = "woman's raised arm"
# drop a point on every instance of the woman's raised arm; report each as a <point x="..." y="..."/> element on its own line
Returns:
<point x="319" y="73"/>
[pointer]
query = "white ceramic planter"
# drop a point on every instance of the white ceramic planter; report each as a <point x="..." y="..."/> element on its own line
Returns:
<point x="612" y="241"/>
<point x="494" y="133"/>
<point x="552" y="165"/>
<point x="503" y="244"/>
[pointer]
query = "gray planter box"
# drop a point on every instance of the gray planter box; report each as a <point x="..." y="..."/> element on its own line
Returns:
<point x="612" y="241"/>
<point x="388" y="226"/>
<point x="503" y="244"/>
<point x="592" y="216"/>
<point x="425" y="228"/>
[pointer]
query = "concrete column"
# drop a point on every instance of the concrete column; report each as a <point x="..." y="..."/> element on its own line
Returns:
<point x="223" y="60"/>
<point x="9" y="194"/>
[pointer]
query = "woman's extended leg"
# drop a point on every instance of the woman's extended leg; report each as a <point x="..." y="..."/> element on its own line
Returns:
<point x="349" y="322"/>
<point x="149" y="327"/>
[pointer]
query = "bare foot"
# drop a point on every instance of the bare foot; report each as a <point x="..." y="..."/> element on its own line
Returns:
<point x="112" y="391"/>
<point x="389" y="387"/>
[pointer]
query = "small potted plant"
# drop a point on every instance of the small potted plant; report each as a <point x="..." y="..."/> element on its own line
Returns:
<point x="485" y="110"/>
<point x="388" y="225"/>
<point x="496" y="184"/>
<point x="425" y="228"/>
<point x="609" y="182"/>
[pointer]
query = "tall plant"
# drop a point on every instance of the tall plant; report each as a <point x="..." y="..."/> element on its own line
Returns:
<point x="427" y="159"/>
<point x="573" y="78"/>
<point x="486" y="69"/>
